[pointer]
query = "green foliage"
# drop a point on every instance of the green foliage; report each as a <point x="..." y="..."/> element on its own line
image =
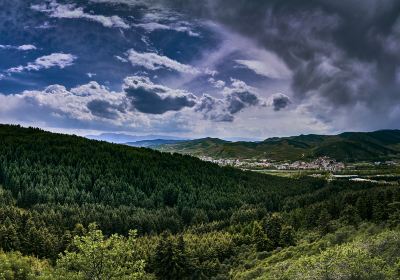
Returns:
<point x="367" y="259"/>
<point x="14" y="266"/>
<point x="260" y="238"/>
<point x="65" y="180"/>
<point x="170" y="260"/>
<point x="8" y="236"/>
<point x="286" y="237"/>
<point x="98" y="258"/>
<point x="324" y="221"/>
<point x="379" y="145"/>
<point x="350" y="216"/>
<point x="365" y="253"/>
<point x="273" y="227"/>
<point x="224" y="223"/>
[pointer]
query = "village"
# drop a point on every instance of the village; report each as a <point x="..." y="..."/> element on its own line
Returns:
<point x="321" y="163"/>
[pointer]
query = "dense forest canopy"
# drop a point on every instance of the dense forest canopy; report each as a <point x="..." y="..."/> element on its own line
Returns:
<point x="193" y="219"/>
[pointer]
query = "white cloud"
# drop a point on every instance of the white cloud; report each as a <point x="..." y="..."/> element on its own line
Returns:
<point x="236" y="98"/>
<point x="127" y="2"/>
<point x="210" y="72"/>
<point x="238" y="85"/>
<point x="121" y="58"/>
<point x="61" y="103"/>
<point x="153" y="26"/>
<point x="153" y="61"/>
<point x="233" y="46"/>
<point x="269" y="66"/>
<point x="95" y="107"/>
<point x="140" y="99"/>
<point x="216" y="83"/>
<point x="71" y="11"/>
<point x="20" y="48"/>
<point x="157" y="17"/>
<point x="90" y="105"/>
<point x="26" y="47"/>
<point x="60" y="60"/>
<point x="137" y="82"/>
<point x="7" y="47"/>
<point x="45" y="25"/>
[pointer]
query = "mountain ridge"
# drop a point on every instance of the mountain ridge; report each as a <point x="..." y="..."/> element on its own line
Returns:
<point x="346" y="146"/>
<point x="122" y="138"/>
<point x="152" y="143"/>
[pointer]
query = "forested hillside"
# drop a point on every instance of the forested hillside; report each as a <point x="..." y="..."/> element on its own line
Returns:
<point x="348" y="147"/>
<point x="193" y="219"/>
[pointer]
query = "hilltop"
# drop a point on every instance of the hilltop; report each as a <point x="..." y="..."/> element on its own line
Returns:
<point x="347" y="147"/>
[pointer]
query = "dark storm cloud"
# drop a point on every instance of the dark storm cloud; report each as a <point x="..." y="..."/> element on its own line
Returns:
<point x="150" y="102"/>
<point x="235" y="100"/>
<point x="214" y="109"/>
<point x="280" y="101"/>
<point x="241" y="99"/>
<point x="342" y="53"/>
<point x="102" y="109"/>
<point x="149" y="98"/>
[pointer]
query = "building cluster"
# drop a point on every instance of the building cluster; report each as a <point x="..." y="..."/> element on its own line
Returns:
<point x="321" y="163"/>
<point x="224" y="161"/>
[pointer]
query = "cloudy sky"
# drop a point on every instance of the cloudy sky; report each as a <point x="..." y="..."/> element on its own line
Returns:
<point x="187" y="68"/>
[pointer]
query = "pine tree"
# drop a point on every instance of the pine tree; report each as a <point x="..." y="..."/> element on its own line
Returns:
<point x="273" y="227"/>
<point x="260" y="239"/>
<point x="170" y="261"/>
<point x="324" y="221"/>
<point x="363" y="208"/>
<point x="350" y="216"/>
<point x="287" y="236"/>
<point x="8" y="236"/>
<point x="379" y="214"/>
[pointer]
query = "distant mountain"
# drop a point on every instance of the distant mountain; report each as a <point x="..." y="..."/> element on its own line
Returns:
<point x="153" y="143"/>
<point x="348" y="146"/>
<point x="122" y="138"/>
<point x="242" y="139"/>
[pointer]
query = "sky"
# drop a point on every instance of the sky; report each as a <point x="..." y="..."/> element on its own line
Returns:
<point x="204" y="68"/>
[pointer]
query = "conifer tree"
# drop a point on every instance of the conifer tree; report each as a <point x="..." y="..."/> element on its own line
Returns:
<point x="260" y="239"/>
<point x="170" y="261"/>
<point x="8" y="237"/>
<point x="324" y="221"/>
<point x="273" y="227"/>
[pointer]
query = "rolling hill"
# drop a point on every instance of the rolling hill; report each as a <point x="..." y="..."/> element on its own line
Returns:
<point x="348" y="147"/>
<point x="97" y="180"/>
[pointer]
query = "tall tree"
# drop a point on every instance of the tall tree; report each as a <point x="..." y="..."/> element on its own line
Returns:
<point x="170" y="260"/>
